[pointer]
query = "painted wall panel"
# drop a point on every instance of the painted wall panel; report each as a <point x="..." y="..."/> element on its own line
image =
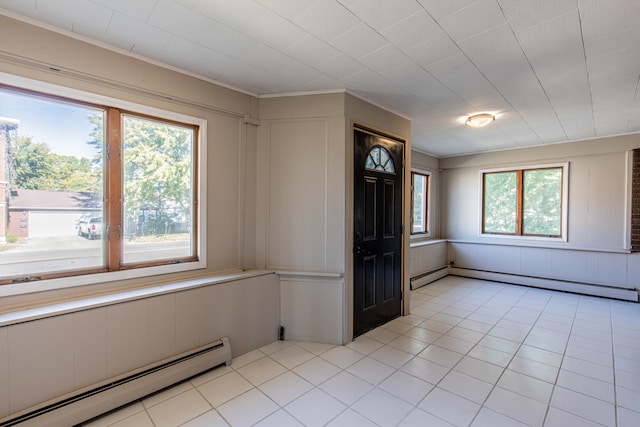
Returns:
<point x="428" y="257"/>
<point x="247" y="311"/>
<point x="312" y="309"/>
<point x="162" y="326"/>
<point x="90" y="347"/>
<point x="127" y="337"/>
<point x="298" y="167"/>
<point x="40" y="361"/>
<point x="224" y="169"/>
<point x="4" y="373"/>
<point x="188" y="306"/>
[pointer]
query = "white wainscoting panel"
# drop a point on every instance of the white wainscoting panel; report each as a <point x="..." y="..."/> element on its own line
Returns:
<point x="40" y="360"/>
<point x="602" y="268"/>
<point x="427" y="256"/>
<point x="312" y="308"/>
<point x="4" y="373"/>
<point x="45" y="358"/>
<point x="90" y="346"/>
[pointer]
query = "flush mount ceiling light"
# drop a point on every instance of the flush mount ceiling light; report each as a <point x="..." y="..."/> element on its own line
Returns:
<point x="479" y="120"/>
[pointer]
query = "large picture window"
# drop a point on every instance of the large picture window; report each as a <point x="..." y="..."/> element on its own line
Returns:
<point x="420" y="202"/>
<point x="527" y="201"/>
<point x="89" y="188"/>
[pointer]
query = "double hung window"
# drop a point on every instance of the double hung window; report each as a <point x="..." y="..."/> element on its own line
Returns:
<point x="526" y="201"/>
<point x="92" y="188"/>
<point x="420" y="203"/>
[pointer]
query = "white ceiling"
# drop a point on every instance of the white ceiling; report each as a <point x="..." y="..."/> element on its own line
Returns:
<point x="551" y="70"/>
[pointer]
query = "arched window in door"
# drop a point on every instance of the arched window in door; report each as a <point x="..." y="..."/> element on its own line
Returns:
<point x="380" y="160"/>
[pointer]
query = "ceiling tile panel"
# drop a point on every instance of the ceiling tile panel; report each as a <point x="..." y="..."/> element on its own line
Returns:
<point x="339" y="66"/>
<point x="139" y="9"/>
<point x="523" y="14"/>
<point x="127" y="33"/>
<point x="384" y="59"/>
<point x="371" y="83"/>
<point x="323" y="83"/>
<point x="433" y="92"/>
<point x="381" y="14"/>
<point x="191" y="25"/>
<point x="327" y="19"/>
<point x="412" y="31"/>
<point x="497" y="41"/>
<point x="187" y="3"/>
<point x="358" y="41"/>
<point x="287" y="34"/>
<point x="299" y="73"/>
<point x="228" y="41"/>
<point x="88" y="17"/>
<point x="185" y="53"/>
<point x="289" y="9"/>
<point x="405" y="72"/>
<point x="594" y="8"/>
<point x="266" y="58"/>
<point x="463" y="78"/>
<point x="473" y="19"/>
<point x="434" y="50"/>
<point x="554" y="49"/>
<point x="612" y="42"/>
<point x="238" y="14"/>
<point x="26" y="7"/>
<point x="439" y="9"/>
<point x="610" y="29"/>
<point x="311" y="50"/>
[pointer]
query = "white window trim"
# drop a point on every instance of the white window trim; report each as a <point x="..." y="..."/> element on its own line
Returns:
<point x="565" y="200"/>
<point x="98" y="278"/>
<point x="418" y="236"/>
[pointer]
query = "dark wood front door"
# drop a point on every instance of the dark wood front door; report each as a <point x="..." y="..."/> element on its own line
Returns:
<point x="377" y="247"/>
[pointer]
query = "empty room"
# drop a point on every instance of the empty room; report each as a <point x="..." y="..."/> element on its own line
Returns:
<point x="319" y="212"/>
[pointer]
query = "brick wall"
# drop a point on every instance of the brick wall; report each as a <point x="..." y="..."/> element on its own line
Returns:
<point x="635" y="202"/>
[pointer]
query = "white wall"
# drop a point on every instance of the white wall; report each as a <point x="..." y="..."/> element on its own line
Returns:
<point x="598" y="216"/>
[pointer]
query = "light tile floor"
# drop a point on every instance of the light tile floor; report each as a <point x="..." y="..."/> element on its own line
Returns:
<point x="470" y="353"/>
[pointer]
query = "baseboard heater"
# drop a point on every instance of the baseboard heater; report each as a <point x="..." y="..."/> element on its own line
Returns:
<point x="90" y="402"/>
<point x="427" y="277"/>
<point x="552" y="284"/>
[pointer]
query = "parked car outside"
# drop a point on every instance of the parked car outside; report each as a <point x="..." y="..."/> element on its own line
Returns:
<point x="90" y="227"/>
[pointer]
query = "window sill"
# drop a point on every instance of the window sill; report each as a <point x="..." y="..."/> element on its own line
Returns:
<point x="56" y="309"/>
<point x="542" y="245"/>
<point x="427" y="242"/>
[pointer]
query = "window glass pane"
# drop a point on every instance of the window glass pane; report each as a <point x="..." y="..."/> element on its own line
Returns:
<point x="158" y="190"/>
<point x="419" y="203"/>
<point x="542" y="202"/>
<point x="51" y="185"/>
<point x="379" y="160"/>
<point x="500" y="203"/>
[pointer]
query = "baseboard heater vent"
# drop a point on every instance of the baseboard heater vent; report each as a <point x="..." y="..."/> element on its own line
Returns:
<point x="89" y="402"/>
